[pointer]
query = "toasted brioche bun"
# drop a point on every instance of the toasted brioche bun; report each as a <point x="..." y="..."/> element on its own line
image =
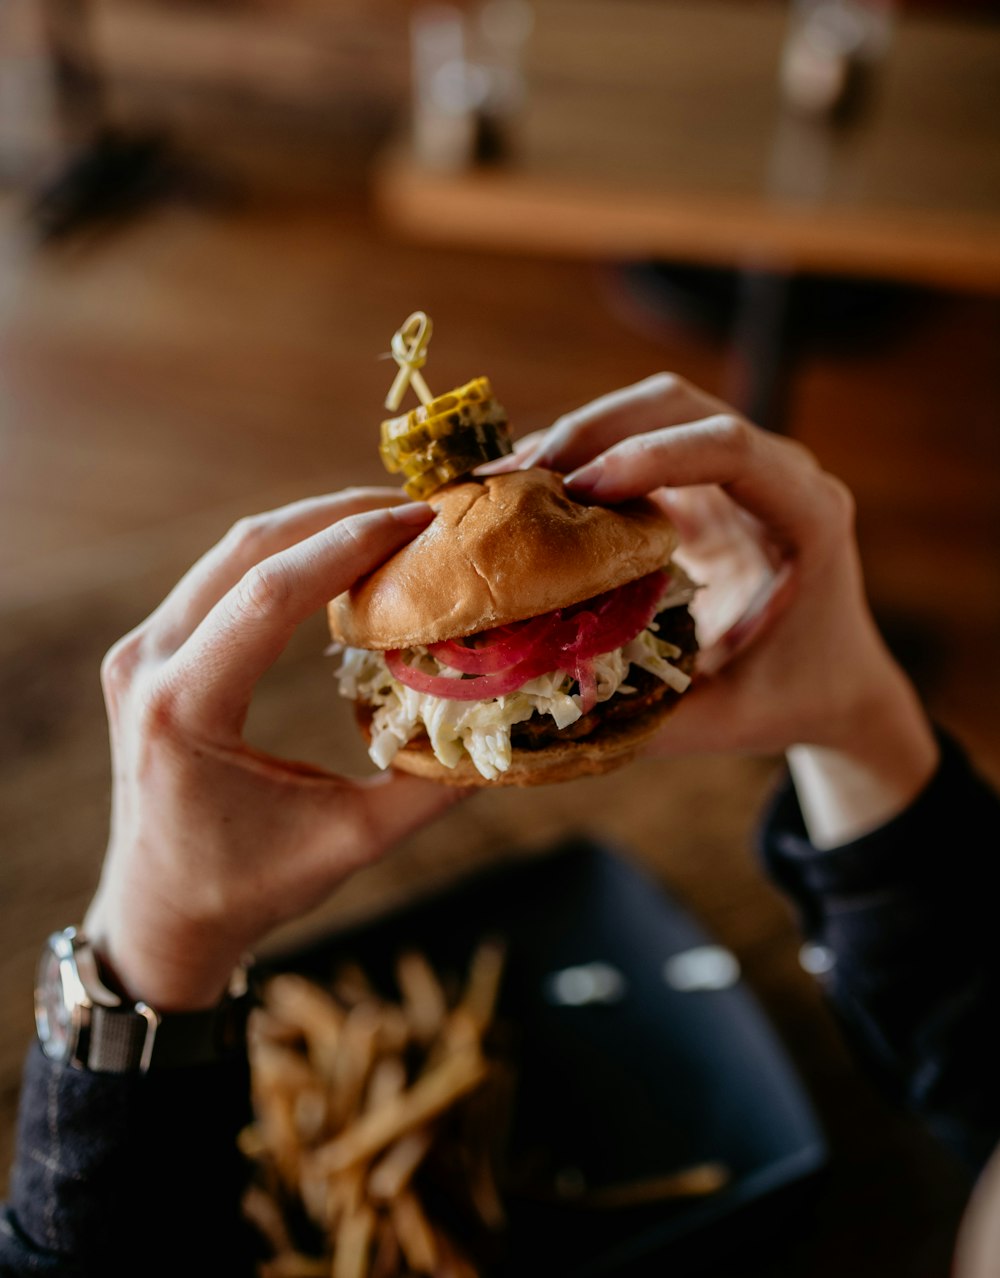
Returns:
<point x="611" y="746"/>
<point x="502" y="548"/>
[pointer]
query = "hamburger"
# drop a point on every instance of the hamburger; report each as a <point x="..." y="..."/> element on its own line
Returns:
<point x="522" y="638"/>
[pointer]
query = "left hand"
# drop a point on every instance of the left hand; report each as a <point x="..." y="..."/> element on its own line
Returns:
<point x="791" y="655"/>
<point x="213" y="843"/>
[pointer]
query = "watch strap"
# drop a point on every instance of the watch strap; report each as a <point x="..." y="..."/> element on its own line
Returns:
<point x="127" y="1037"/>
<point x="200" y="1038"/>
<point x="121" y="1040"/>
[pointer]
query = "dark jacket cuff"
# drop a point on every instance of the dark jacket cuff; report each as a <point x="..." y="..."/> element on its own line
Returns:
<point x="905" y="916"/>
<point x="130" y="1173"/>
<point x="934" y="843"/>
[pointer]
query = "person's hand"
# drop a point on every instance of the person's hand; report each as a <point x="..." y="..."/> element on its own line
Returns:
<point x="792" y="657"/>
<point x="214" y="843"/>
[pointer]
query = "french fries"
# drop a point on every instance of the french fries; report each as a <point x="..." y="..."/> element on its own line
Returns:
<point x="394" y="1170"/>
<point x="697" y="1181"/>
<point x="373" y="1118"/>
<point x="356" y="1098"/>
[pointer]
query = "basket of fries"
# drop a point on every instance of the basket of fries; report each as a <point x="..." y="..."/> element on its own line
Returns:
<point x="508" y="1078"/>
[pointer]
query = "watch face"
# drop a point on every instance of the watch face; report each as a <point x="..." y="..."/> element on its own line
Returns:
<point x="53" y="1018"/>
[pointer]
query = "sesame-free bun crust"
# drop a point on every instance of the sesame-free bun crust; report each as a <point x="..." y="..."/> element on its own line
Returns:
<point x="502" y="548"/>
<point x="611" y="746"/>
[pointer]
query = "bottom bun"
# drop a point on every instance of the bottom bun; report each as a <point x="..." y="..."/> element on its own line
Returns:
<point x="608" y="747"/>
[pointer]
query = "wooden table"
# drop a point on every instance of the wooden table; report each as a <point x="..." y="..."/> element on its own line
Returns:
<point x="169" y="380"/>
<point x="655" y="131"/>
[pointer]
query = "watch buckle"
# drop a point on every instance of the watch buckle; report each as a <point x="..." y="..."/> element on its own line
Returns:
<point x="152" y="1019"/>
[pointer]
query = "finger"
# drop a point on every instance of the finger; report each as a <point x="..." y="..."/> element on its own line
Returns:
<point x="771" y="598"/>
<point x="774" y="478"/>
<point x="523" y="448"/>
<point x="658" y="401"/>
<point x="712" y="527"/>
<point x="721" y="711"/>
<point x="398" y="804"/>
<point x="528" y="444"/>
<point x="702" y="513"/>
<point x="212" y="676"/>
<point x="248" y="542"/>
<point x="725" y="709"/>
<point x="724" y="548"/>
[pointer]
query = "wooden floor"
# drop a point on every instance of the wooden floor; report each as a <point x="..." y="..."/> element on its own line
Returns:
<point x="205" y="361"/>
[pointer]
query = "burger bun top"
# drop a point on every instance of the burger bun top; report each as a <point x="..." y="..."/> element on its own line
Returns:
<point x="503" y="548"/>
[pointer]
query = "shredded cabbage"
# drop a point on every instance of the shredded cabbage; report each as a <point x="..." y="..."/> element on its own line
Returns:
<point x="481" y="729"/>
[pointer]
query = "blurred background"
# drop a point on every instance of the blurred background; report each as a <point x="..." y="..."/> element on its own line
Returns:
<point x="215" y="213"/>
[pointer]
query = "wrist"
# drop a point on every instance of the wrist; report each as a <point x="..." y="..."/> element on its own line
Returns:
<point x="168" y="977"/>
<point x="86" y="1022"/>
<point x="173" y="989"/>
<point x="870" y="770"/>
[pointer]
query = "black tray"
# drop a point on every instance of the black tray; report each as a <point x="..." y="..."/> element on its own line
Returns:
<point x="619" y="1091"/>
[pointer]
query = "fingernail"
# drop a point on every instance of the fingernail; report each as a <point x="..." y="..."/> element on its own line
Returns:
<point x="747" y="626"/>
<point x="588" y="479"/>
<point x="500" y="466"/>
<point x="532" y="456"/>
<point x="517" y="460"/>
<point x="414" y="512"/>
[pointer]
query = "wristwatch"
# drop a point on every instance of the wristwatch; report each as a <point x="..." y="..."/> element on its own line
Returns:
<point x="83" y="1022"/>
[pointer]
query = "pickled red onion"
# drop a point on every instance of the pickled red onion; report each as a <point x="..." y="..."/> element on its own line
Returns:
<point x="480" y="688"/>
<point x="512" y="646"/>
<point x="586" y="677"/>
<point x="567" y="639"/>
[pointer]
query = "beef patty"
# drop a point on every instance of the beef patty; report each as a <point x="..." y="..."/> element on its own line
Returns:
<point x="676" y="626"/>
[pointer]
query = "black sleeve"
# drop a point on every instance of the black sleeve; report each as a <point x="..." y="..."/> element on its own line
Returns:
<point x="128" y="1174"/>
<point x="908" y="918"/>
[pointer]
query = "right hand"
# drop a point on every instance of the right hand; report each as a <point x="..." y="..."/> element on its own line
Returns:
<point x="792" y="655"/>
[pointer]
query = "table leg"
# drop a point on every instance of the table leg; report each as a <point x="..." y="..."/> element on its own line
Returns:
<point x="762" y="349"/>
<point x="108" y="172"/>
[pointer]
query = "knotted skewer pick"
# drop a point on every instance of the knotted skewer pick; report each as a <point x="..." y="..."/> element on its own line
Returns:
<point x="409" y="350"/>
